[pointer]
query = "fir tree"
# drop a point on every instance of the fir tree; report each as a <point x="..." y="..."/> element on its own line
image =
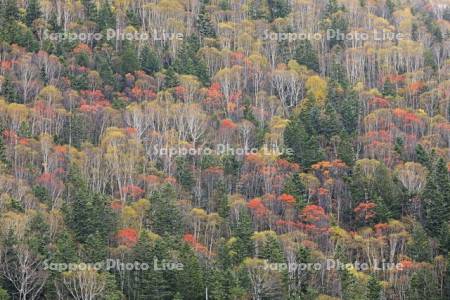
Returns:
<point x="306" y="55"/>
<point x="95" y="248"/>
<point x="103" y="66"/>
<point x="128" y="60"/>
<point x="149" y="283"/>
<point x="105" y="16"/>
<point x="9" y="90"/>
<point x="149" y="61"/>
<point x="278" y="9"/>
<point x="3" y="158"/>
<point x="423" y="286"/>
<point x="4" y="295"/>
<point x="170" y="79"/>
<point x="90" y="9"/>
<point x="33" y="12"/>
<point x="373" y="289"/>
<point x="204" y="24"/>
<point x="272" y="250"/>
<point x="87" y="212"/>
<point x="184" y="173"/>
<point x="419" y="247"/>
<point x="436" y="196"/>
<point x="188" y="61"/>
<point x="350" y="287"/>
<point x="66" y="249"/>
<point x="9" y="12"/>
<point x="190" y="280"/>
<point x="164" y="215"/>
<point x="423" y="157"/>
<point x="243" y="232"/>
<point x="301" y="135"/>
<point x="38" y="235"/>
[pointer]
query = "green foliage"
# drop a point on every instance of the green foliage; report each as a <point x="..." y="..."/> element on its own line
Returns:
<point x="151" y="283"/>
<point x="189" y="62"/>
<point x="90" y="9"/>
<point x="243" y="231"/>
<point x="436" y="198"/>
<point x="294" y="186"/>
<point x="350" y="287"/>
<point x="164" y="215"/>
<point x="171" y="79"/>
<point x="306" y="55"/>
<point x="12" y="31"/>
<point x="335" y="24"/>
<point x="204" y="25"/>
<point x="74" y="131"/>
<point x="423" y="286"/>
<point x="4" y="295"/>
<point x="272" y="251"/>
<point x="423" y="157"/>
<point x="103" y="66"/>
<point x="95" y="248"/>
<point x="278" y="9"/>
<point x="149" y="61"/>
<point x="301" y="135"/>
<point x="9" y="90"/>
<point x="419" y="246"/>
<point x="105" y="17"/>
<point x="184" y="172"/>
<point x="38" y="235"/>
<point x="190" y="280"/>
<point x="3" y="158"/>
<point x="33" y="12"/>
<point x="66" y="249"/>
<point x="87" y="213"/>
<point x="374" y="289"/>
<point x="128" y="60"/>
<point x="382" y="188"/>
<point x="112" y="291"/>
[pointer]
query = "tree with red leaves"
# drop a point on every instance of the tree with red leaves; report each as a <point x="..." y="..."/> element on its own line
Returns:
<point x="127" y="237"/>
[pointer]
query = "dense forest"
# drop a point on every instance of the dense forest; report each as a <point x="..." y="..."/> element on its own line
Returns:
<point x="225" y="149"/>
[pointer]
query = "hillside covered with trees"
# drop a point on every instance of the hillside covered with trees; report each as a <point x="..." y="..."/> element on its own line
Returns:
<point x="225" y="149"/>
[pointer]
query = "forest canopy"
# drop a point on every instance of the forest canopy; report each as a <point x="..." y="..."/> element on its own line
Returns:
<point x="224" y="149"/>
